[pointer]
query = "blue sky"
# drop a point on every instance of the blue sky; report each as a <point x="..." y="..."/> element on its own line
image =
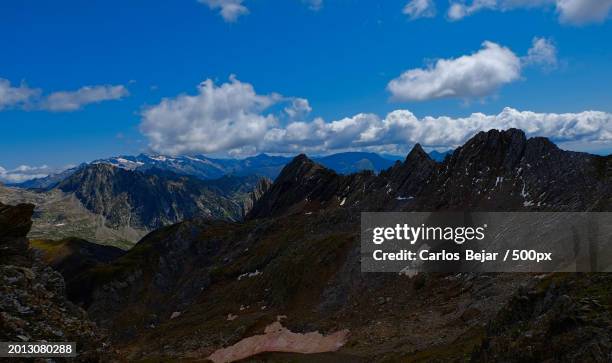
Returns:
<point x="340" y="57"/>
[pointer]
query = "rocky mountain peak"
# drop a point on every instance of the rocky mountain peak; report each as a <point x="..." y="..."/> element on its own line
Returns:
<point x="541" y="145"/>
<point x="300" y="166"/>
<point x="417" y="154"/>
<point x="410" y="177"/>
<point x="301" y="170"/>
<point x="493" y="149"/>
<point x="300" y="181"/>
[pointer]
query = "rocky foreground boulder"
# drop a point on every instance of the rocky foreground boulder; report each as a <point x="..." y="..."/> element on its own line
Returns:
<point x="33" y="304"/>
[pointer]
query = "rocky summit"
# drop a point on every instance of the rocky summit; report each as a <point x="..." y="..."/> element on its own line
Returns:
<point x="208" y="288"/>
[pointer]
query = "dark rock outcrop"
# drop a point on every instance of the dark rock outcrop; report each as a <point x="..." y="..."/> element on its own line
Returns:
<point x="411" y="176"/>
<point x="15" y="223"/>
<point x="503" y="170"/>
<point x="300" y="183"/>
<point x="33" y="305"/>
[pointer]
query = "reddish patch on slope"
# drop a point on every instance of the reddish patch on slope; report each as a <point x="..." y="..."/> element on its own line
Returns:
<point x="277" y="338"/>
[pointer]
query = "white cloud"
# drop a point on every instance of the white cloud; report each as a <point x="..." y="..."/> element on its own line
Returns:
<point x="299" y="107"/>
<point x="216" y="119"/>
<point x="233" y="119"/>
<point x="575" y="12"/>
<point x="230" y="10"/>
<point x="401" y="128"/>
<point x="459" y="10"/>
<point x="24" y="172"/>
<point x="583" y="11"/>
<point x="416" y="9"/>
<point x="543" y="52"/>
<point x="476" y="75"/>
<point x="26" y="98"/>
<point x="74" y="100"/>
<point x="11" y="96"/>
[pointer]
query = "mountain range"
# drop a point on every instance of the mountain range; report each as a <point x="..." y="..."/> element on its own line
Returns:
<point x="220" y="289"/>
<point x="118" y="200"/>
<point x="204" y="167"/>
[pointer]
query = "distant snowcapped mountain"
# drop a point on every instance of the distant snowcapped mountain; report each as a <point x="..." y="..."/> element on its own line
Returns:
<point x="206" y="168"/>
<point x="199" y="166"/>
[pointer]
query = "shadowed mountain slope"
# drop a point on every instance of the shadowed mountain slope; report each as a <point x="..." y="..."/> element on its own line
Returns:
<point x="190" y="289"/>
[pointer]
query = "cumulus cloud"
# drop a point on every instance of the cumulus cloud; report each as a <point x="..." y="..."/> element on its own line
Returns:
<point x="229" y="10"/>
<point x="475" y="75"/>
<point x="416" y="9"/>
<point x="233" y="119"/>
<point x="24" y="172"/>
<point x="16" y="96"/>
<point x="575" y="12"/>
<point x="216" y="119"/>
<point x="401" y="128"/>
<point x="74" y="100"/>
<point x="543" y="52"/>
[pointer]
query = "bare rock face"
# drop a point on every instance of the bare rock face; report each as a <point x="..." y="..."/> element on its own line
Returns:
<point x="33" y="306"/>
<point x="262" y="187"/>
<point x="147" y="200"/>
